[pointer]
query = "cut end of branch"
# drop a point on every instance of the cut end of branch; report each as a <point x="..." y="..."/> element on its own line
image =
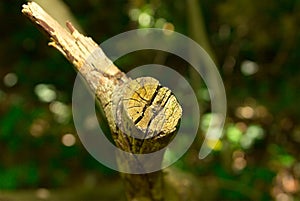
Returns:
<point x="146" y="112"/>
<point x="152" y="107"/>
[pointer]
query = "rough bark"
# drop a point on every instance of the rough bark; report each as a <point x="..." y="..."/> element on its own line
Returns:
<point x="142" y="115"/>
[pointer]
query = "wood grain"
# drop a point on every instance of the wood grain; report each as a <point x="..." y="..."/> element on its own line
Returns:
<point x="142" y="115"/>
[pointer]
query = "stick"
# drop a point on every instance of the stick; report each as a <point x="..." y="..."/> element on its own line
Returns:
<point x="150" y="109"/>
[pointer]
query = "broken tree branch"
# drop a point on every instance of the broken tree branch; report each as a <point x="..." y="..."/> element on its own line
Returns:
<point x="142" y="115"/>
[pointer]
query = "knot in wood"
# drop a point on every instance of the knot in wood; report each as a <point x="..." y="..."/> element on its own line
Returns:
<point x="145" y="109"/>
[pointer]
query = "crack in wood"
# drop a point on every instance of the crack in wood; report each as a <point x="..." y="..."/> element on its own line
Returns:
<point x="147" y="105"/>
<point x="104" y="77"/>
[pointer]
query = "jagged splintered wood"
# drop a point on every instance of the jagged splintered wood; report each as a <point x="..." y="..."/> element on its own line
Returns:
<point x="142" y="115"/>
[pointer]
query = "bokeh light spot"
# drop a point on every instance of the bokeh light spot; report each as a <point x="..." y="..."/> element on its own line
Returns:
<point x="168" y="28"/>
<point x="242" y="126"/>
<point x="45" y="92"/>
<point x="160" y="23"/>
<point x="246" y="112"/>
<point x="61" y="111"/>
<point x="239" y="161"/>
<point x="255" y="132"/>
<point x="261" y="111"/>
<point x="145" y="20"/>
<point x="38" y="127"/>
<point x="43" y="193"/>
<point x="283" y="197"/>
<point x="10" y="79"/>
<point x="249" y="67"/>
<point x="68" y="140"/>
<point x="246" y="142"/>
<point x="233" y="134"/>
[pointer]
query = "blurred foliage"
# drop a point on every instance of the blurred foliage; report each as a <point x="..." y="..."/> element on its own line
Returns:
<point x="257" y="48"/>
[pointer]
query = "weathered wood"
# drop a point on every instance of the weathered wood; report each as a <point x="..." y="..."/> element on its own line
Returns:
<point x="149" y="113"/>
<point x="142" y="115"/>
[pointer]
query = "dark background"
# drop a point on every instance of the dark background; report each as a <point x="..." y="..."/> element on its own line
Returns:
<point x="256" y="46"/>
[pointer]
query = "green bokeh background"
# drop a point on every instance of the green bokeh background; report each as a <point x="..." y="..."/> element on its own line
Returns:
<point x="256" y="46"/>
